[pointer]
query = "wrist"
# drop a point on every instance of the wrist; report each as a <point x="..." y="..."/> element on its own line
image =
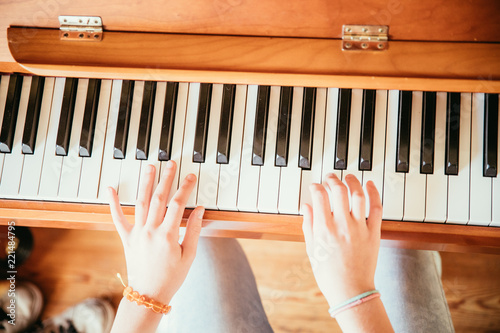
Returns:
<point x="155" y="303"/>
<point x="156" y="291"/>
<point x="349" y="291"/>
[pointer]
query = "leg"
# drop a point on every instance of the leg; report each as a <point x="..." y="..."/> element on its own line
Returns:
<point x="219" y="295"/>
<point x="410" y="284"/>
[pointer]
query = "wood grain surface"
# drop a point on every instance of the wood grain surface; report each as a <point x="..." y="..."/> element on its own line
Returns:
<point x="245" y="60"/>
<point x="421" y="33"/>
<point x="430" y="236"/>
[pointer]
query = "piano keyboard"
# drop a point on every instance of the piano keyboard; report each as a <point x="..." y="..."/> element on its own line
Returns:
<point x="432" y="155"/>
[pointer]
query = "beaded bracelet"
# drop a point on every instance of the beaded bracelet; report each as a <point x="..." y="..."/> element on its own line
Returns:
<point x="134" y="296"/>
<point x="353" y="302"/>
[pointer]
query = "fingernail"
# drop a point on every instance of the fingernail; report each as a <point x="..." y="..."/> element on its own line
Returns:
<point x="110" y="191"/>
<point x="332" y="175"/>
<point x="191" y="177"/>
<point x="312" y="187"/>
<point x="170" y="164"/>
<point x="200" y="213"/>
<point x="151" y="168"/>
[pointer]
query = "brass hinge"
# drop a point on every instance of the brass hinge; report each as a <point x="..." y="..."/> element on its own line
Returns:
<point x="82" y="28"/>
<point x="365" y="37"/>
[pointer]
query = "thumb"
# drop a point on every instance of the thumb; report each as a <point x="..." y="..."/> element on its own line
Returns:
<point x="119" y="220"/>
<point x="193" y="230"/>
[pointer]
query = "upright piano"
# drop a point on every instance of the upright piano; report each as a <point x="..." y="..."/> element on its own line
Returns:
<point x="259" y="99"/>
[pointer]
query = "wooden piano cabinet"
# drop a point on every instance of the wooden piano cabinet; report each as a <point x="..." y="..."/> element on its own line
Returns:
<point x="430" y="236"/>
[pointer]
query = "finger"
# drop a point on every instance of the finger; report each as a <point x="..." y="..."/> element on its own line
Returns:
<point x="330" y="196"/>
<point x="176" y="206"/>
<point x="159" y="200"/>
<point x="307" y="223"/>
<point x="321" y="208"/>
<point x="340" y="198"/>
<point x="357" y="198"/>
<point x="144" y="196"/>
<point x="193" y="230"/>
<point x="374" y="220"/>
<point x="119" y="220"/>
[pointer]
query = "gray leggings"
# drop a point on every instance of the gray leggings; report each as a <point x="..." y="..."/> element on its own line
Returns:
<point x="220" y="294"/>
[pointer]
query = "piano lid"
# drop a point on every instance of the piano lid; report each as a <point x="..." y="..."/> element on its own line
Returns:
<point x="206" y="37"/>
<point x="423" y="20"/>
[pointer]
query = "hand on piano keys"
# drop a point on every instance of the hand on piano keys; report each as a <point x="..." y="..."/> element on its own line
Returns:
<point x="433" y="156"/>
<point x="343" y="245"/>
<point x="157" y="264"/>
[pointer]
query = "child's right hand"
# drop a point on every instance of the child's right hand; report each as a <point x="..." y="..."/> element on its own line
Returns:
<point x="342" y="245"/>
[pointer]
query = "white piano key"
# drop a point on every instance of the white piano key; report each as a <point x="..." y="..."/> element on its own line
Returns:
<point x="290" y="181"/>
<point x="249" y="174"/>
<point x="354" y="135"/>
<point x="187" y="164"/>
<point x="458" y="186"/>
<point x="227" y="194"/>
<point x="393" y="191"/>
<point x="154" y="142"/>
<point x="480" y="187"/>
<point x="314" y="175"/>
<point x="377" y="173"/>
<point x="495" y="198"/>
<point x="4" y="86"/>
<point x="52" y="163"/>
<point x="91" y="166"/>
<point x="178" y="136"/>
<point x="13" y="162"/>
<point x="209" y="171"/>
<point x="414" y="198"/>
<point x="269" y="174"/>
<point x="32" y="168"/>
<point x="437" y="186"/>
<point x="111" y="167"/>
<point x="72" y="163"/>
<point x="330" y="134"/>
<point x="131" y="167"/>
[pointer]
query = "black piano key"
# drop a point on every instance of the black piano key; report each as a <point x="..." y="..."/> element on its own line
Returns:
<point x="306" y="130"/>
<point x="167" y="127"/>
<point x="144" y="135"/>
<point x="200" y="137"/>
<point x="89" y="118"/>
<point x="33" y="114"/>
<point x="10" y="113"/>
<point x="66" y="118"/>
<point x="367" y="128"/>
<point x="428" y="133"/>
<point x="452" y="134"/>
<point x="225" y="125"/>
<point x="404" y="126"/>
<point x="122" y="123"/>
<point x="342" y="137"/>
<point x="283" y="131"/>
<point x="490" y="158"/>
<point x="259" y="134"/>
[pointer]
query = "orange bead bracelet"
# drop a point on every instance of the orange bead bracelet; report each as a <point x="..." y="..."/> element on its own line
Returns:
<point x="134" y="296"/>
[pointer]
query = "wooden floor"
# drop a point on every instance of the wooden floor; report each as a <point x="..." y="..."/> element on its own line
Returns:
<point x="71" y="265"/>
